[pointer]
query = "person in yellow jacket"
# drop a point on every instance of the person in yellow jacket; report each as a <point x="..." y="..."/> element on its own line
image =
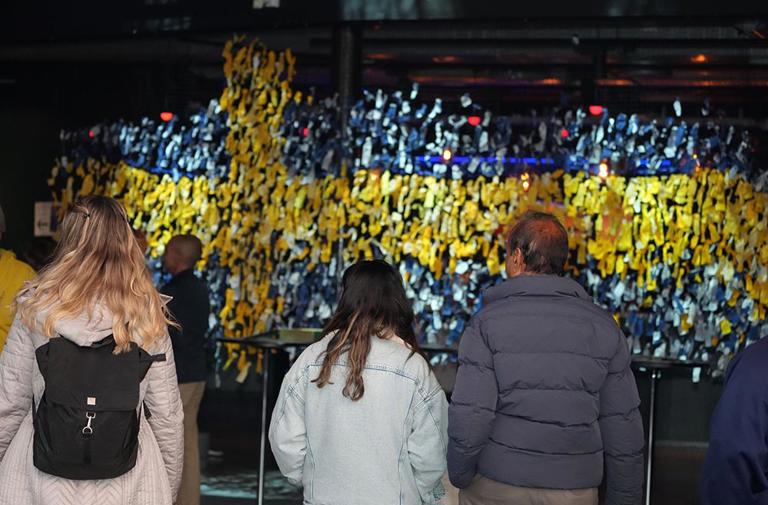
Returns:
<point x="13" y="275"/>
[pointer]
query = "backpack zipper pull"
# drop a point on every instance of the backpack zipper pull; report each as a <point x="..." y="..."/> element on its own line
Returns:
<point x="88" y="431"/>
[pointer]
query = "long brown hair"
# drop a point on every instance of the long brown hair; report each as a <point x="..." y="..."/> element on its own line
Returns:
<point x="373" y="304"/>
<point x="97" y="261"/>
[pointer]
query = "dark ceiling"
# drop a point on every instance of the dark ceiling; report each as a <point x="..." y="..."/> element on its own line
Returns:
<point x="634" y="55"/>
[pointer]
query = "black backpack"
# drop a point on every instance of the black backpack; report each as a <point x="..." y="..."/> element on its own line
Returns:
<point x="86" y="424"/>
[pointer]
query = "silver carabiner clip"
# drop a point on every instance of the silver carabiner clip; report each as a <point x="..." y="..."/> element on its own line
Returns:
<point x="88" y="430"/>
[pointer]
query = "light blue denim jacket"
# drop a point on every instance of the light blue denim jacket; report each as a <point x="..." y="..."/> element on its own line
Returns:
<point x="388" y="448"/>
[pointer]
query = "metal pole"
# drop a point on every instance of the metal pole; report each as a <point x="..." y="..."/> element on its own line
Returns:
<point x="347" y="69"/>
<point x="655" y="376"/>
<point x="264" y="405"/>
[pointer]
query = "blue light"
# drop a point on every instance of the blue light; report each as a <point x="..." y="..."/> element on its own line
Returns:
<point x="459" y="160"/>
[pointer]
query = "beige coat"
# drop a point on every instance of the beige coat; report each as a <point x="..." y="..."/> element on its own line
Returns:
<point x="155" y="478"/>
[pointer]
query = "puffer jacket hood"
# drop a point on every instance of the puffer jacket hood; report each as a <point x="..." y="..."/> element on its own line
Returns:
<point x="88" y="327"/>
<point x="84" y="330"/>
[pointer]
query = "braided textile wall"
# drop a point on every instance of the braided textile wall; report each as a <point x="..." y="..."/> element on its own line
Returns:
<point x="674" y="242"/>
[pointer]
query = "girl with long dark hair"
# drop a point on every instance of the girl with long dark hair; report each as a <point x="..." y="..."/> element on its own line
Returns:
<point x="361" y="419"/>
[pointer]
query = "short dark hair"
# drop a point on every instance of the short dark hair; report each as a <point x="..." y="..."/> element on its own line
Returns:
<point x="543" y="241"/>
<point x="190" y="248"/>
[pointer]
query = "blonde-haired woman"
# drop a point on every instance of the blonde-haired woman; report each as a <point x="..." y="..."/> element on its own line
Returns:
<point x="96" y="285"/>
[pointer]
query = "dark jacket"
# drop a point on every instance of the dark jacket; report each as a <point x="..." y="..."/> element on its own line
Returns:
<point x="544" y="396"/>
<point x="736" y="468"/>
<point x="190" y="307"/>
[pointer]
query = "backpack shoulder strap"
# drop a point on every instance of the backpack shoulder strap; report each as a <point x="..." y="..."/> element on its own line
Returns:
<point x="108" y="340"/>
<point x="146" y="360"/>
<point x="42" y="353"/>
<point x="145" y="357"/>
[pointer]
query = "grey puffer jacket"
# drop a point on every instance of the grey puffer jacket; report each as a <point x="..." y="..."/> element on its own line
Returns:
<point x="544" y="396"/>
<point x="155" y="478"/>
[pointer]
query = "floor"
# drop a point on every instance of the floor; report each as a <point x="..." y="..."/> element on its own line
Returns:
<point x="223" y="485"/>
<point x="677" y="468"/>
<point x="230" y="421"/>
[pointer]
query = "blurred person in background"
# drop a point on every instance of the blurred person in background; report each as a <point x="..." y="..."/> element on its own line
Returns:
<point x="736" y="467"/>
<point x="13" y="275"/>
<point x="39" y="252"/>
<point x="189" y="306"/>
<point x="141" y="239"/>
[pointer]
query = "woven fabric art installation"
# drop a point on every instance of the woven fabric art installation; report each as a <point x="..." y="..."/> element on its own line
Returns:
<point x="667" y="220"/>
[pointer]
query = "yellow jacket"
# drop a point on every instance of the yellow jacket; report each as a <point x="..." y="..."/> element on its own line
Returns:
<point x="13" y="275"/>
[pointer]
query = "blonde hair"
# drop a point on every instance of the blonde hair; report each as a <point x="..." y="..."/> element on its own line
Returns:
<point x="97" y="261"/>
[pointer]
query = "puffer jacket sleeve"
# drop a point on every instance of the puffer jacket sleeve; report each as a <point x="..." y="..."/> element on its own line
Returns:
<point x="473" y="406"/>
<point x="17" y="363"/>
<point x="622" y="430"/>
<point x="428" y="440"/>
<point x="166" y="413"/>
<point x="288" y="429"/>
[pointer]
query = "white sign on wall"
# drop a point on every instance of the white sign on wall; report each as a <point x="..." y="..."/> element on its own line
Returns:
<point x="46" y="220"/>
<point x="260" y="4"/>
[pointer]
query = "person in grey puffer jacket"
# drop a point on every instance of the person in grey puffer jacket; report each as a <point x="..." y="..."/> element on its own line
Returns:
<point x="545" y="399"/>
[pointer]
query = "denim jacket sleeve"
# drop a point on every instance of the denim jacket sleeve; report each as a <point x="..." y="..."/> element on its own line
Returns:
<point x="428" y="440"/>
<point x="288" y="431"/>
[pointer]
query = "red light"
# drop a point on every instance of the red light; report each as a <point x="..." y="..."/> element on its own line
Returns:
<point x="380" y="56"/>
<point x="473" y="120"/>
<point x="447" y="155"/>
<point x="595" y="110"/>
<point x="166" y="116"/>
<point x="305" y="132"/>
<point x="564" y="133"/>
<point x="615" y="82"/>
<point x="91" y="134"/>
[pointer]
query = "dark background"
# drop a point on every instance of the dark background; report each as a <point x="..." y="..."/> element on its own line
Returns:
<point x="73" y="64"/>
